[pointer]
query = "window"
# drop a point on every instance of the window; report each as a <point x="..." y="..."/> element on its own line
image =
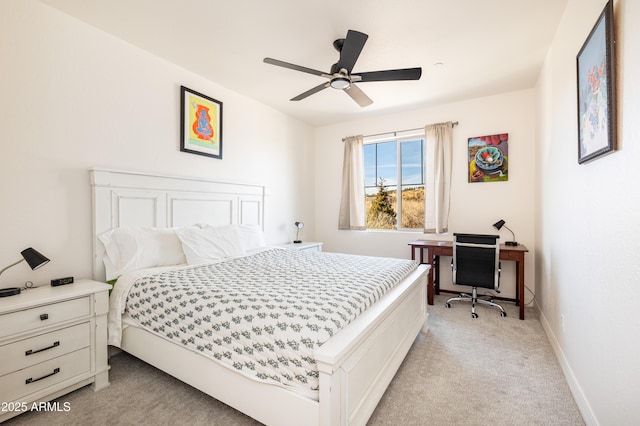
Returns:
<point x="391" y="166"/>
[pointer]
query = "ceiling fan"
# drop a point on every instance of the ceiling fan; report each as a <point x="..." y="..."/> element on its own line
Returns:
<point x="340" y="76"/>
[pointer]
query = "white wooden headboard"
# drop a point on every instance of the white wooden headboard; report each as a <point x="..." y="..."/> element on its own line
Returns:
<point x="124" y="198"/>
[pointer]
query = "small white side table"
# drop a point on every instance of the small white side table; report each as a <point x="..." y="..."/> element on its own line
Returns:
<point x="53" y="340"/>
<point x="303" y="246"/>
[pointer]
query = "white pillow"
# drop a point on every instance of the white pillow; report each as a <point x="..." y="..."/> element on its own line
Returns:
<point x="251" y="237"/>
<point x="204" y="243"/>
<point x="130" y="249"/>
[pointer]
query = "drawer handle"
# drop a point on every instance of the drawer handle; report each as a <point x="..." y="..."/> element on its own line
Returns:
<point x="32" y="380"/>
<point x="31" y="351"/>
<point x="44" y="317"/>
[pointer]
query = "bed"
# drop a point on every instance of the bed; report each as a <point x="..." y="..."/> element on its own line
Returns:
<point x="354" y="366"/>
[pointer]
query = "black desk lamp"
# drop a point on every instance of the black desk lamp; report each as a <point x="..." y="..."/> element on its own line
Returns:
<point x="299" y="225"/>
<point x="499" y="224"/>
<point x="35" y="261"/>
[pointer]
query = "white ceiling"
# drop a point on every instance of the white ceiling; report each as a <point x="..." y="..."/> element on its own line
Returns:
<point x="486" y="46"/>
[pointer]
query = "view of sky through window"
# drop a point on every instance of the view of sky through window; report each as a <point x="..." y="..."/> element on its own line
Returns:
<point x="412" y="172"/>
<point x="381" y="161"/>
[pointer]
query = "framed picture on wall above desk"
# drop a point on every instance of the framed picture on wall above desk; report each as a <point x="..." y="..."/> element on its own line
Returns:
<point x="434" y="249"/>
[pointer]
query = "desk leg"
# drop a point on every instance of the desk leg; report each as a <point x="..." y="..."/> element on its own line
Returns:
<point x="520" y="285"/>
<point x="429" y="278"/>
<point x="436" y="266"/>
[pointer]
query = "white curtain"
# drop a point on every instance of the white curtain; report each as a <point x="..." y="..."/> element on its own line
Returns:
<point x="352" y="201"/>
<point x="438" y="142"/>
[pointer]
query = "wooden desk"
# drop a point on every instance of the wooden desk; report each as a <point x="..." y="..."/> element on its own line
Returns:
<point x="435" y="249"/>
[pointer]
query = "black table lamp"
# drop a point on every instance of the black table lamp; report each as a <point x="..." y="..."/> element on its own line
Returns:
<point x="35" y="261"/>
<point x="299" y="225"/>
<point x="498" y="225"/>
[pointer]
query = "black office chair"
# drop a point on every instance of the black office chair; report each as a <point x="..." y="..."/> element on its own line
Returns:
<point x="476" y="263"/>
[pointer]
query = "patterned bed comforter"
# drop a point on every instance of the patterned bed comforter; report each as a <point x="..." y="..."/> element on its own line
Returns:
<point x="262" y="315"/>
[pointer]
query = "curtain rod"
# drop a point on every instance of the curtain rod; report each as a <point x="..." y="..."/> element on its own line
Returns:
<point x="455" y="123"/>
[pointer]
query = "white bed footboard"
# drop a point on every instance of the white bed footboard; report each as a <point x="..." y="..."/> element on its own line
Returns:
<point x="358" y="363"/>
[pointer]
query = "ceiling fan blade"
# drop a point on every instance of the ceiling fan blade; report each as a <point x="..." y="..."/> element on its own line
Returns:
<point x="311" y="91"/>
<point x="294" y="67"/>
<point x="353" y="45"/>
<point x="390" y="75"/>
<point x="358" y="95"/>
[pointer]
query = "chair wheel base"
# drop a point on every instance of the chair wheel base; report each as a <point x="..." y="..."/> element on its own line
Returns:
<point x="475" y="301"/>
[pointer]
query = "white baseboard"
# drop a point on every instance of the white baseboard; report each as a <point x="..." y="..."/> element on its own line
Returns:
<point x="582" y="402"/>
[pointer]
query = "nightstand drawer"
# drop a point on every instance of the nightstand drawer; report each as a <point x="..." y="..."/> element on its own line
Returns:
<point x="315" y="247"/>
<point x="42" y="316"/>
<point x="27" y="352"/>
<point x="24" y="382"/>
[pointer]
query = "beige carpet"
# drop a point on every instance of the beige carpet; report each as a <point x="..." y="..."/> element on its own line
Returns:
<point x="464" y="371"/>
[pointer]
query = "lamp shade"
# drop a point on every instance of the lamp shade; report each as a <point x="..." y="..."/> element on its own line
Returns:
<point x="501" y="223"/>
<point x="34" y="258"/>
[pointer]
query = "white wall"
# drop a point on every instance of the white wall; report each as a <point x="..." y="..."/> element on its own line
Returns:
<point x="73" y="97"/>
<point x="474" y="206"/>
<point x="588" y="232"/>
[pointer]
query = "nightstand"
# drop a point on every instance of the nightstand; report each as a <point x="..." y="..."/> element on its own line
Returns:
<point x="304" y="246"/>
<point x="53" y="340"/>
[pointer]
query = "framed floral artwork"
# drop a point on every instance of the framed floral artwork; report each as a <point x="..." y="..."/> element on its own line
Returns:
<point x="596" y="90"/>
<point x="200" y="124"/>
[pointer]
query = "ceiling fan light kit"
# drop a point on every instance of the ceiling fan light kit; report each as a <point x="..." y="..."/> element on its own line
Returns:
<point x="340" y="76"/>
<point x="340" y="83"/>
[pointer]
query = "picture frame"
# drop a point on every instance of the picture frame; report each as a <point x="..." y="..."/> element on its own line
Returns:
<point x="200" y="124"/>
<point x="488" y="158"/>
<point x="596" y="90"/>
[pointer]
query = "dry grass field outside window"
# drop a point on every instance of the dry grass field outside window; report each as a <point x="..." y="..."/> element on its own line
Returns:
<point x="412" y="210"/>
